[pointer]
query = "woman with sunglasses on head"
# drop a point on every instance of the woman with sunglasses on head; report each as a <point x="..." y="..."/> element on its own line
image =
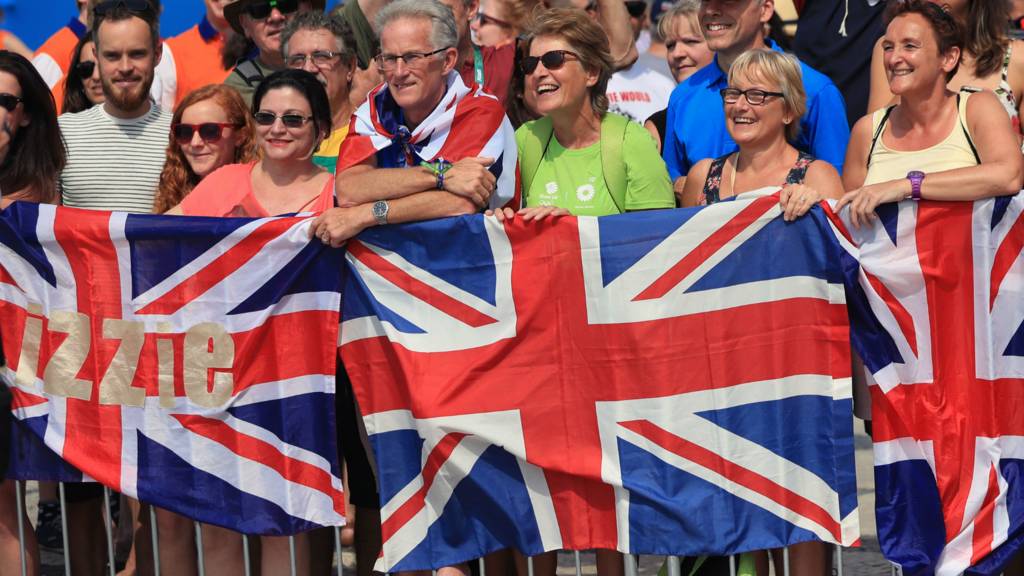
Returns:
<point x="989" y="60"/>
<point x="82" y="86"/>
<point x="211" y="128"/>
<point x="32" y="154"/>
<point x="498" y="22"/>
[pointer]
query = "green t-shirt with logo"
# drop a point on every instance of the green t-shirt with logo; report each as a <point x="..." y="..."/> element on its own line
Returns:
<point x="572" y="179"/>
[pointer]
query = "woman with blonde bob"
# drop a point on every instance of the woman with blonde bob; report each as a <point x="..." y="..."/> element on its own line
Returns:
<point x="763" y="104"/>
<point x="211" y="128"/>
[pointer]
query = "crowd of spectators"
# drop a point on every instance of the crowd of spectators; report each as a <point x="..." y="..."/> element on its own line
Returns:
<point x="389" y="111"/>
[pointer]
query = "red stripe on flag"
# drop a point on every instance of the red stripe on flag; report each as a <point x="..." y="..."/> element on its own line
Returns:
<point x="738" y="474"/>
<point x="215" y="272"/>
<point x="22" y="399"/>
<point x="438" y="456"/>
<point x="984" y="522"/>
<point x="251" y="448"/>
<point x="699" y="255"/>
<point x="443" y="302"/>
<point x="1005" y="256"/>
<point x="903" y="317"/>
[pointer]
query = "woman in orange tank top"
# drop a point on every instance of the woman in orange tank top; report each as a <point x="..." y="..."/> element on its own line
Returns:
<point x="292" y="117"/>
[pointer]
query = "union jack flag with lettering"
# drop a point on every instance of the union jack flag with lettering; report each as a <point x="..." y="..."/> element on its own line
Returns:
<point x="663" y="382"/>
<point x="939" y="321"/>
<point x="186" y="362"/>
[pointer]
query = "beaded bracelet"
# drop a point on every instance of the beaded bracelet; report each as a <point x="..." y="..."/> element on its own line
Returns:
<point x="438" y="168"/>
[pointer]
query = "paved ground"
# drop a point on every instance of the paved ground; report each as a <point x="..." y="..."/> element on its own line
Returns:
<point x="866" y="560"/>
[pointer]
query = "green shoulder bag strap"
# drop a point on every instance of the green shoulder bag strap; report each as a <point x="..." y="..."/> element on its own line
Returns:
<point x="613" y="135"/>
<point x="536" y="138"/>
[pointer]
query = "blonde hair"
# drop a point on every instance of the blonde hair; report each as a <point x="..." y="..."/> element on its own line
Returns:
<point x="778" y="68"/>
<point x="681" y="9"/>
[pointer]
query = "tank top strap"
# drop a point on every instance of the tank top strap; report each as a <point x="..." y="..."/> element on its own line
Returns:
<point x="1005" y="83"/>
<point x="799" y="170"/>
<point x="961" y="104"/>
<point x="713" y="183"/>
<point x="878" y="120"/>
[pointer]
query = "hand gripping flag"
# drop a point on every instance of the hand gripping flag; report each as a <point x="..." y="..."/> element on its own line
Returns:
<point x="663" y="382"/>
<point x="187" y="362"/>
<point x="939" y="320"/>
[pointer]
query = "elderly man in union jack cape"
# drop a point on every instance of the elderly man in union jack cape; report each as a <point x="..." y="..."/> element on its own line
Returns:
<point x="424" y="145"/>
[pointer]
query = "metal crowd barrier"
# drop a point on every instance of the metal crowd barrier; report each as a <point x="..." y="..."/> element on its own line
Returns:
<point x="630" y="561"/>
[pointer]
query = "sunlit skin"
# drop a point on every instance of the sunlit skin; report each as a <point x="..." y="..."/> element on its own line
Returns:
<point x="489" y="32"/>
<point x="686" y="49"/>
<point x="911" y="55"/>
<point x="92" y="85"/>
<point x="549" y="91"/>
<point x="336" y="76"/>
<point x="416" y="89"/>
<point x="279" y="142"/>
<point x="266" y="33"/>
<point x="748" y="123"/>
<point x="126" y="57"/>
<point x="734" y="26"/>
<point x="202" y="156"/>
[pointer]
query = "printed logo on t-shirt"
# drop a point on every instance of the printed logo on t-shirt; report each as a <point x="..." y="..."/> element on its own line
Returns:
<point x="551" y="188"/>
<point x="585" y="193"/>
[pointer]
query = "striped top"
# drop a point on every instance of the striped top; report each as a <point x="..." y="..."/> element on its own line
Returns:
<point x="113" y="164"/>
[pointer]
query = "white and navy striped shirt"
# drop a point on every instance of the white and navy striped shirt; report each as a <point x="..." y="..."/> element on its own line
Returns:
<point x="113" y="163"/>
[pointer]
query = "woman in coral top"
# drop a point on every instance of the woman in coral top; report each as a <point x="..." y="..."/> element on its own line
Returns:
<point x="292" y="117"/>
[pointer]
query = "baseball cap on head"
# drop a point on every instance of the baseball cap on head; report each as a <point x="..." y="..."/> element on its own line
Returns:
<point x="260" y="9"/>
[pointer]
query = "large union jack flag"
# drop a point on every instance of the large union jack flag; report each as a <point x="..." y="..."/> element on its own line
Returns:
<point x="158" y="355"/>
<point x="939" y="320"/>
<point x="665" y="382"/>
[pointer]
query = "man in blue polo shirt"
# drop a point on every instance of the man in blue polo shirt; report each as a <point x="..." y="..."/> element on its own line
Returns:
<point x="695" y="128"/>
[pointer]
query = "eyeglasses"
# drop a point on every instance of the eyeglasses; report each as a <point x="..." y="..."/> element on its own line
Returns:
<point x="483" y="20"/>
<point x="262" y="10"/>
<point x="264" y="118"/>
<point x="320" y="58"/>
<point x="754" y="96"/>
<point x="552" y="60"/>
<point x="636" y="8"/>
<point x="10" y="101"/>
<point x="387" y="62"/>
<point x="209" y="131"/>
<point x="85" y="69"/>
<point x="103" y="8"/>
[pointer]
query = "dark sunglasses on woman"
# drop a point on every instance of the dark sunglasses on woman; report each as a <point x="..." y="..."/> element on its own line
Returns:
<point x="552" y="60"/>
<point x="289" y="120"/>
<point x="210" y="132"/>
<point x="9" y="101"/>
<point x="85" y="69"/>
<point x="262" y="10"/>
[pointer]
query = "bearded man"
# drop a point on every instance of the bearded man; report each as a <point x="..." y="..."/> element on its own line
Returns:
<point x="116" y="150"/>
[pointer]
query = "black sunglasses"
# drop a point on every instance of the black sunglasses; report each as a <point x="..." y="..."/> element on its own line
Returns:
<point x="262" y="10"/>
<point x="552" y="60"/>
<point x="636" y="8"/>
<point x="10" y="101"/>
<point x="289" y="120"/>
<point x="137" y="6"/>
<point x="209" y="131"/>
<point x="85" y="69"/>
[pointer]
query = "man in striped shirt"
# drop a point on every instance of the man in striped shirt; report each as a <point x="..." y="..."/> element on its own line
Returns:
<point x="116" y="150"/>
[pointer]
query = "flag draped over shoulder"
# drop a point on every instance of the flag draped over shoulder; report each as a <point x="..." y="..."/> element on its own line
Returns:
<point x="669" y="382"/>
<point x="938" y="312"/>
<point x="466" y="123"/>
<point x="157" y="355"/>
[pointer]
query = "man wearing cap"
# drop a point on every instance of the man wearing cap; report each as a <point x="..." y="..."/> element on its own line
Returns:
<point x="262" y="22"/>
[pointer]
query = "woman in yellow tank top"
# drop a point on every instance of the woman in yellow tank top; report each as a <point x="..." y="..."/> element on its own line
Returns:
<point x="923" y="147"/>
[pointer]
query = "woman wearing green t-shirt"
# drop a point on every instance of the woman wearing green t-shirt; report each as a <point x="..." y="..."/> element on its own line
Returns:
<point x="579" y="158"/>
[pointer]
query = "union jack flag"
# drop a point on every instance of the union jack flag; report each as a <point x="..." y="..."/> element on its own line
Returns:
<point x="158" y="355"/>
<point x="939" y="320"/>
<point x="627" y="382"/>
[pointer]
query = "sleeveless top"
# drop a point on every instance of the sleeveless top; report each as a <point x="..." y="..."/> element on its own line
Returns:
<point x="1004" y="92"/>
<point x="227" y="192"/>
<point x="955" y="151"/>
<point x="713" y="183"/>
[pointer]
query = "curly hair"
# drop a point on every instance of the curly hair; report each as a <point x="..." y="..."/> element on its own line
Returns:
<point x="177" y="179"/>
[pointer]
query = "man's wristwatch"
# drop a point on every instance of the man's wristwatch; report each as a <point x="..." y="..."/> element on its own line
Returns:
<point x="915" y="177"/>
<point x="380" y="212"/>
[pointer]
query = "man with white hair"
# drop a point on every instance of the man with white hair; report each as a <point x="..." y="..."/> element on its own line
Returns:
<point x="424" y="145"/>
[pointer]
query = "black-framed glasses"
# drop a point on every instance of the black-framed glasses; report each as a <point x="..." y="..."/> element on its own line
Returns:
<point x="483" y="20"/>
<point x="137" y="6"/>
<point x="262" y="10"/>
<point x="9" y="101"/>
<point x="320" y="58"/>
<point x="552" y="60"/>
<point x="387" y="62"/>
<point x="290" y="120"/>
<point x="636" y="8"/>
<point x="210" y="132"/>
<point x="85" y="69"/>
<point x="754" y="96"/>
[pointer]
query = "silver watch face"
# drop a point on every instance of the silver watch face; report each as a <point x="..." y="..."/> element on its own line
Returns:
<point x="380" y="210"/>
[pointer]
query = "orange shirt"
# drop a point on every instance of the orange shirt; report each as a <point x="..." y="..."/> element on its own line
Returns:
<point x="227" y="191"/>
<point x="197" y="59"/>
<point x="53" y="58"/>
